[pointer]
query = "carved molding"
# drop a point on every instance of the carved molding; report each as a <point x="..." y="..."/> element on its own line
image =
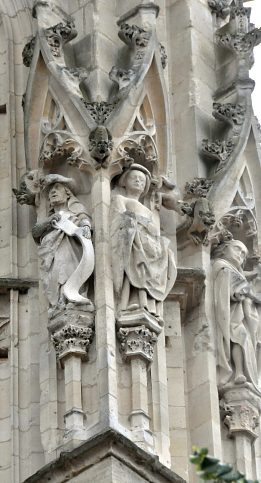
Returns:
<point x="137" y="341"/>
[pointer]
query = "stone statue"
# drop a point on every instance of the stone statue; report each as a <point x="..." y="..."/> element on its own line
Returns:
<point x="144" y="268"/>
<point x="237" y="320"/>
<point x="65" y="246"/>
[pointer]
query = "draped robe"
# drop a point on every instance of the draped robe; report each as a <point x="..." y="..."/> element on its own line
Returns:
<point x="237" y="321"/>
<point x="140" y="253"/>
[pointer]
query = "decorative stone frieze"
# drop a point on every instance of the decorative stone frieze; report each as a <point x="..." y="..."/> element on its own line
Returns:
<point x="219" y="7"/>
<point x="199" y="187"/>
<point x="99" y="111"/>
<point x="137" y="341"/>
<point x="28" y="52"/>
<point x="60" y="34"/>
<point x="234" y="114"/>
<point x="72" y="339"/>
<point x="218" y="150"/>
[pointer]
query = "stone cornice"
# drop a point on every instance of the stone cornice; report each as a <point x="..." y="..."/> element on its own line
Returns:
<point x="108" y="443"/>
<point x="21" y="284"/>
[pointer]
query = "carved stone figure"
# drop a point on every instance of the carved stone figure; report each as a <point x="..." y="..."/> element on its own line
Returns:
<point x="100" y="146"/>
<point x="237" y="320"/>
<point x="65" y="247"/>
<point x="144" y="268"/>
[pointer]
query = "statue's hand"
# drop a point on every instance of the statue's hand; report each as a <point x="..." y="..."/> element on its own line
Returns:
<point x="86" y="232"/>
<point x="241" y="294"/>
<point x="53" y="219"/>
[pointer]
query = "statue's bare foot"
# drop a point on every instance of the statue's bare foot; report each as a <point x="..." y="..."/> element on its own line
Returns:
<point x="240" y="379"/>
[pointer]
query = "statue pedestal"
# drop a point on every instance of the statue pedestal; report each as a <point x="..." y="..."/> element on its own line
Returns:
<point x="72" y="331"/>
<point x="240" y="411"/>
<point x="138" y="331"/>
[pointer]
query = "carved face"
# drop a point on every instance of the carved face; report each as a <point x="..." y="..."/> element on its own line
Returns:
<point x="58" y="194"/>
<point x="135" y="181"/>
<point x="236" y="253"/>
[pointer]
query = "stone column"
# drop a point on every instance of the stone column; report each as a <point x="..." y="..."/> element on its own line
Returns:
<point x="240" y="409"/>
<point x="104" y="302"/>
<point x="72" y="333"/>
<point x="138" y="332"/>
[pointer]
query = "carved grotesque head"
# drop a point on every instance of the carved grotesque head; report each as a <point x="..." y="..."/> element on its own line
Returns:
<point x="100" y="144"/>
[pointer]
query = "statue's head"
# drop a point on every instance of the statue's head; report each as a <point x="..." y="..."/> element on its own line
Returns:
<point x="58" y="188"/>
<point x="234" y="251"/>
<point x="137" y="179"/>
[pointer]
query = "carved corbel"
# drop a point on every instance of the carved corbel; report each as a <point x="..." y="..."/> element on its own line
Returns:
<point x="243" y="419"/>
<point x="137" y="342"/>
<point x="240" y="412"/>
<point x="72" y="340"/>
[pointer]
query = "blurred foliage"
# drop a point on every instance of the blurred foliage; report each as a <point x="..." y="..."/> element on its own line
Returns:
<point x="210" y="469"/>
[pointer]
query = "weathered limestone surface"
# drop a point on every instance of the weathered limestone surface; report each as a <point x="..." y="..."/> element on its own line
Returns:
<point x="130" y="215"/>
